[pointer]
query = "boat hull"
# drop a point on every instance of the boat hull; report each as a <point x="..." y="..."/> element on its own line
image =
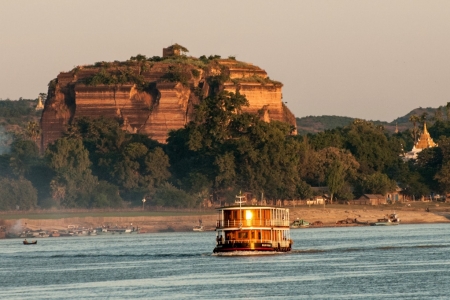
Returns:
<point x="30" y="243"/>
<point x="259" y="247"/>
<point x="384" y="224"/>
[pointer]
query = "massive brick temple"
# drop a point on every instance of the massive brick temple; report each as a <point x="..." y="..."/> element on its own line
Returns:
<point x="154" y="95"/>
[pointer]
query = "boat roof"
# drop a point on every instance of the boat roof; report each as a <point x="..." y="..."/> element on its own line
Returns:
<point x="247" y="206"/>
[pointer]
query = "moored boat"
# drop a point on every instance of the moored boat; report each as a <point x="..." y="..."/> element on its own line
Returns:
<point x="55" y="233"/>
<point x="388" y="220"/>
<point x="198" y="228"/>
<point x="299" y="223"/>
<point x="254" y="228"/>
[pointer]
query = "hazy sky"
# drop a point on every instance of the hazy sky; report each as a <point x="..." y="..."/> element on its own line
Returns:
<point x="374" y="60"/>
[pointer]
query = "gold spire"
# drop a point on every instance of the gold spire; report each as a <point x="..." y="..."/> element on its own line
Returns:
<point x="425" y="140"/>
<point x="425" y="131"/>
<point x="39" y="105"/>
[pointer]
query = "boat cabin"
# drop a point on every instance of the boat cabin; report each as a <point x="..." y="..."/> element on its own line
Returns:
<point x="248" y="227"/>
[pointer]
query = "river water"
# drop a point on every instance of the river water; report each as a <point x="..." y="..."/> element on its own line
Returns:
<point x="394" y="262"/>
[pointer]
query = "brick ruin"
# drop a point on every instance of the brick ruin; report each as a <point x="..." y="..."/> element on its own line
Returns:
<point x="160" y="98"/>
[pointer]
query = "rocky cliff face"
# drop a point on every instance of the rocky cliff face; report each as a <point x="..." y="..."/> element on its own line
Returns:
<point x="153" y="96"/>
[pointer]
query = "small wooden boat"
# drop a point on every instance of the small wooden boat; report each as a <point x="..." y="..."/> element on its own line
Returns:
<point x="299" y="223"/>
<point x="55" y="233"/>
<point x="29" y="243"/>
<point x="388" y="220"/>
<point x="198" y="228"/>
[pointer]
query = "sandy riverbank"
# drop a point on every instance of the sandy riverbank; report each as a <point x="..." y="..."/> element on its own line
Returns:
<point x="327" y="215"/>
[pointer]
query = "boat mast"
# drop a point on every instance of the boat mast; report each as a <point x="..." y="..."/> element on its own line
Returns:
<point x="239" y="200"/>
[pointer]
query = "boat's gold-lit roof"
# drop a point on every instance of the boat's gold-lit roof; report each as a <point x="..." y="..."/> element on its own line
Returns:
<point x="233" y="207"/>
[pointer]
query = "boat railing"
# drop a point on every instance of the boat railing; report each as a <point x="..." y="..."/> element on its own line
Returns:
<point x="248" y="241"/>
<point x="283" y="243"/>
<point x="251" y="223"/>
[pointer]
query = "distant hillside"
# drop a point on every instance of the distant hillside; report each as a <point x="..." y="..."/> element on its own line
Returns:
<point x="404" y="121"/>
<point x="314" y="124"/>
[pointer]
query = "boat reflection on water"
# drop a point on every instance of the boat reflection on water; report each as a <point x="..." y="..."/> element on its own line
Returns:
<point x="256" y="229"/>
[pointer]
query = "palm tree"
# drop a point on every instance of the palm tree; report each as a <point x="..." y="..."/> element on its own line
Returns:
<point x="33" y="130"/>
<point x="423" y="117"/>
<point x="438" y="114"/>
<point x="414" y="119"/>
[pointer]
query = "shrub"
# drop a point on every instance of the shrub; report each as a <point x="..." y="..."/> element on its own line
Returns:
<point x="169" y="196"/>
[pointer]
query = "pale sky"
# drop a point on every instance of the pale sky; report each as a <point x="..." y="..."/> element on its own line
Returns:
<point x="375" y="60"/>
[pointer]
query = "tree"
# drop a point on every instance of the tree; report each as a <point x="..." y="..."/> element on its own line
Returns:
<point x="423" y="117"/>
<point x="17" y="194"/>
<point x="414" y="119"/>
<point x="170" y="196"/>
<point x="304" y="190"/>
<point x="156" y="168"/>
<point x="327" y="157"/>
<point x="43" y="97"/>
<point x="443" y="178"/>
<point x="377" y="183"/>
<point x="105" y="195"/>
<point x="429" y="162"/>
<point x="33" y="131"/>
<point x="24" y="155"/>
<point x="335" y="178"/>
<point x="236" y="150"/>
<point x="438" y="114"/>
<point x="74" y="181"/>
<point x="447" y="111"/>
<point x="179" y="47"/>
<point x="370" y="146"/>
<point x="134" y="163"/>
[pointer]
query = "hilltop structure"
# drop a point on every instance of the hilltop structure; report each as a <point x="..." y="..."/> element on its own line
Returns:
<point x="39" y="105"/>
<point x="152" y="96"/>
<point x="424" y="141"/>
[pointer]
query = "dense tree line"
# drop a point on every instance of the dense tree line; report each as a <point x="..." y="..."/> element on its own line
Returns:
<point x="222" y="151"/>
<point x="14" y="109"/>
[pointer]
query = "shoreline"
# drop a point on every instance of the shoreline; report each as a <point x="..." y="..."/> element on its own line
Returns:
<point x="329" y="216"/>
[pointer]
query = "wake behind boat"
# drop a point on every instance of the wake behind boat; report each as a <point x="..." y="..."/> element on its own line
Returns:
<point x="252" y="228"/>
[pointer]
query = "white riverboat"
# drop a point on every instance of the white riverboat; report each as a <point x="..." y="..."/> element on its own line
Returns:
<point x="255" y="228"/>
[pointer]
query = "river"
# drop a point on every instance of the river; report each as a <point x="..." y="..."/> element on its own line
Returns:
<point x="405" y="261"/>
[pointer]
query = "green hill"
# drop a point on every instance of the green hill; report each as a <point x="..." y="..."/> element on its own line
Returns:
<point x="314" y="124"/>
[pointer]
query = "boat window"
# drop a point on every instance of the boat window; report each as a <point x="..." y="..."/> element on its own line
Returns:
<point x="243" y="235"/>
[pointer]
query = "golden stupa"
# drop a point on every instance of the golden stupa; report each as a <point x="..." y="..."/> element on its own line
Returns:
<point x="425" y="140"/>
<point x="39" y="105"/>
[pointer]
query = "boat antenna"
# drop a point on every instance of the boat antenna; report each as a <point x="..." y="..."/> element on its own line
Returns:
<point x="239" y="199"/>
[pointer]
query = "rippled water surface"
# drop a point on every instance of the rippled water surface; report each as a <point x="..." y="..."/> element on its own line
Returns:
<point x="395" y="262"/>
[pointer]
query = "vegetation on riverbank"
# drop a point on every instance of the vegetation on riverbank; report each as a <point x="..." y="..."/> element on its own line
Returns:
<point x="221" y="152"/>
